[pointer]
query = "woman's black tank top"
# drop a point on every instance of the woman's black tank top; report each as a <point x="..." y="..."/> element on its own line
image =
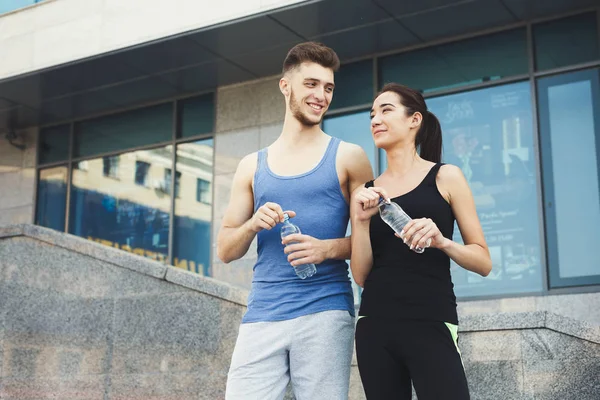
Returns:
<point x="402" y="283"/>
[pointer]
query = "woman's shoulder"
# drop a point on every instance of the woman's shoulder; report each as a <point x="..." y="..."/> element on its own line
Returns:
<point x="450" y="181"/>
<point x="450" y="172"/>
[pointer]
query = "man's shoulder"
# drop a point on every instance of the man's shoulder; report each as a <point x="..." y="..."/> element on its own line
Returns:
<point x="350" y="150"/>
<point x="247" y="165"/>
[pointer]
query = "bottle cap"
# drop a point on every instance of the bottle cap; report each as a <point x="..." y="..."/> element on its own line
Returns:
<point x="285" y="217"/>
<point x="383" y="201"/>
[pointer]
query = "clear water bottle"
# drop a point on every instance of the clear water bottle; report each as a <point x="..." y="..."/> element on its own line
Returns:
<point x="303" y="271"/>
<point x="393" y="215"/>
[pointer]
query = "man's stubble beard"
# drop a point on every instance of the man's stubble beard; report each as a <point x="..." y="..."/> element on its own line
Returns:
<point x="299" y="115"/>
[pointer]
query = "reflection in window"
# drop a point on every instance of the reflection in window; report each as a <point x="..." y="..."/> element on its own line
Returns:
<point x="110" y="166"/>
<point x="192" y="223"/>
<point x="52" y="198"/>
<point x="476" y="60"/>
<point x="141" y="173"/>
<point x="168" y="180"/>
<point x="488" y="133"/>
<point x="569" y="107"/>
<point x="120" y="213"/>
<point x="203" y="191"/>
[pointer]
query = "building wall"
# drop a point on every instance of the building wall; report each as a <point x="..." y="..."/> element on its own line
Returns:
<point x="249" y="117"/>
<point x="42" y="36"/>
<point x="17" y="178"/>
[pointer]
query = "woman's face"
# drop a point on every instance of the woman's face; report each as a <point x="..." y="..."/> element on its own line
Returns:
<point x="390" y="123"/>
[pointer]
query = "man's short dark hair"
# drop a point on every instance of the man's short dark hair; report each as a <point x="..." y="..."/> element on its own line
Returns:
<point x="314" y="52"/>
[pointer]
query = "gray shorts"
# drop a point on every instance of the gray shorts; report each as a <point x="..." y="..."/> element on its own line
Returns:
<point x="313" y="351"/>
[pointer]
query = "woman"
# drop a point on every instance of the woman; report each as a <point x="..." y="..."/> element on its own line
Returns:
<point x="407" y="328"/>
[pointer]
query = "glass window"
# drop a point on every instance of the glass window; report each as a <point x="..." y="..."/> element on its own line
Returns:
<point x="120" y="213"/>
<point x="353" y="128"/>
<point x="52" y="198"/>
<point x="488" y="133"/>
<point x="569" y="107"/>
<point x="203" y="192"/>
<point x="168" y="179"/>
<point x="124" y="131"/>
<point x="566" y="41"/>
<point x="353" y="85"/>
<point x="110" y="166"/>
<point x="141" y="173"/>
<point x="196" y="115"/>
<point x="54" y="144"/>
<point x="476" y="60"/>
<point x="192" y="225"/>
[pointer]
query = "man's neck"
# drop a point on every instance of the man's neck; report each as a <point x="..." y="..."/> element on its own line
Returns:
<point x="297" y="135"/>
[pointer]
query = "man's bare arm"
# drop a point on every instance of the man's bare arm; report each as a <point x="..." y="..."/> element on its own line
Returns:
<point x="358" y="166"/>
<point x="236" y="233"/>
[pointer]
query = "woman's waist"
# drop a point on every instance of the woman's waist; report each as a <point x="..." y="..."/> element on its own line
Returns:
<point x="405" y="283"/>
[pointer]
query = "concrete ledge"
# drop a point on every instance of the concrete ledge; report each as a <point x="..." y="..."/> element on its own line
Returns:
<point x="233" y="294"/>
<point x="206" y="285"/>
<point x="10" y="231"/>
<point x="128" y="261"/>
<point x="531" y="320"/>
<point x="96" y="250"/>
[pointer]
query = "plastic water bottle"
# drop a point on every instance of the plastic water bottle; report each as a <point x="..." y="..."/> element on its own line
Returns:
<point x="303" y="271"/>
<point x="393" y="215"/>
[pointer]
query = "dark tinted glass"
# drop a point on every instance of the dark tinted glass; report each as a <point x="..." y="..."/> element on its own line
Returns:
<point x="196" y="115"/>
<point x="353" y="85"/>
<point x="54" y="144"/>
<point x="124" y="131"/>
<point x="566" y="41"/>
<point x="476" y="60"/>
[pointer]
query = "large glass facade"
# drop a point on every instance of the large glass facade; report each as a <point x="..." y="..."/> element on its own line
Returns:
<point x="569" y="109"/>
<point x="540" y="229"/>
<point x="519" y="110"/>
<point x="122" y="190"/>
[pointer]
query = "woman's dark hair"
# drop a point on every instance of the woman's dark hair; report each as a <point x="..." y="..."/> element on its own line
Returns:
<point x="429" y="137"/>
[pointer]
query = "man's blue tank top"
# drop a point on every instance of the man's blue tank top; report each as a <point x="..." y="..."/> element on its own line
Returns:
<point x="322" y="212"/>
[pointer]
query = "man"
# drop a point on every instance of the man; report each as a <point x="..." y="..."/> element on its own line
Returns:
<point x="296" y="329"/>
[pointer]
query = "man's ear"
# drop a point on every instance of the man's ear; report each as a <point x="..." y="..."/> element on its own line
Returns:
<point x="284" y="86"/>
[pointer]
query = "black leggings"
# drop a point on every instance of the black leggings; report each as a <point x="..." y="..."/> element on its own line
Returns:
<point x="391" y="354"/>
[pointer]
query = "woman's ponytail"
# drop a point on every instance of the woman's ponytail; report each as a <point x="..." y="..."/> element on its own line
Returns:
<point x="429" y="138"/>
